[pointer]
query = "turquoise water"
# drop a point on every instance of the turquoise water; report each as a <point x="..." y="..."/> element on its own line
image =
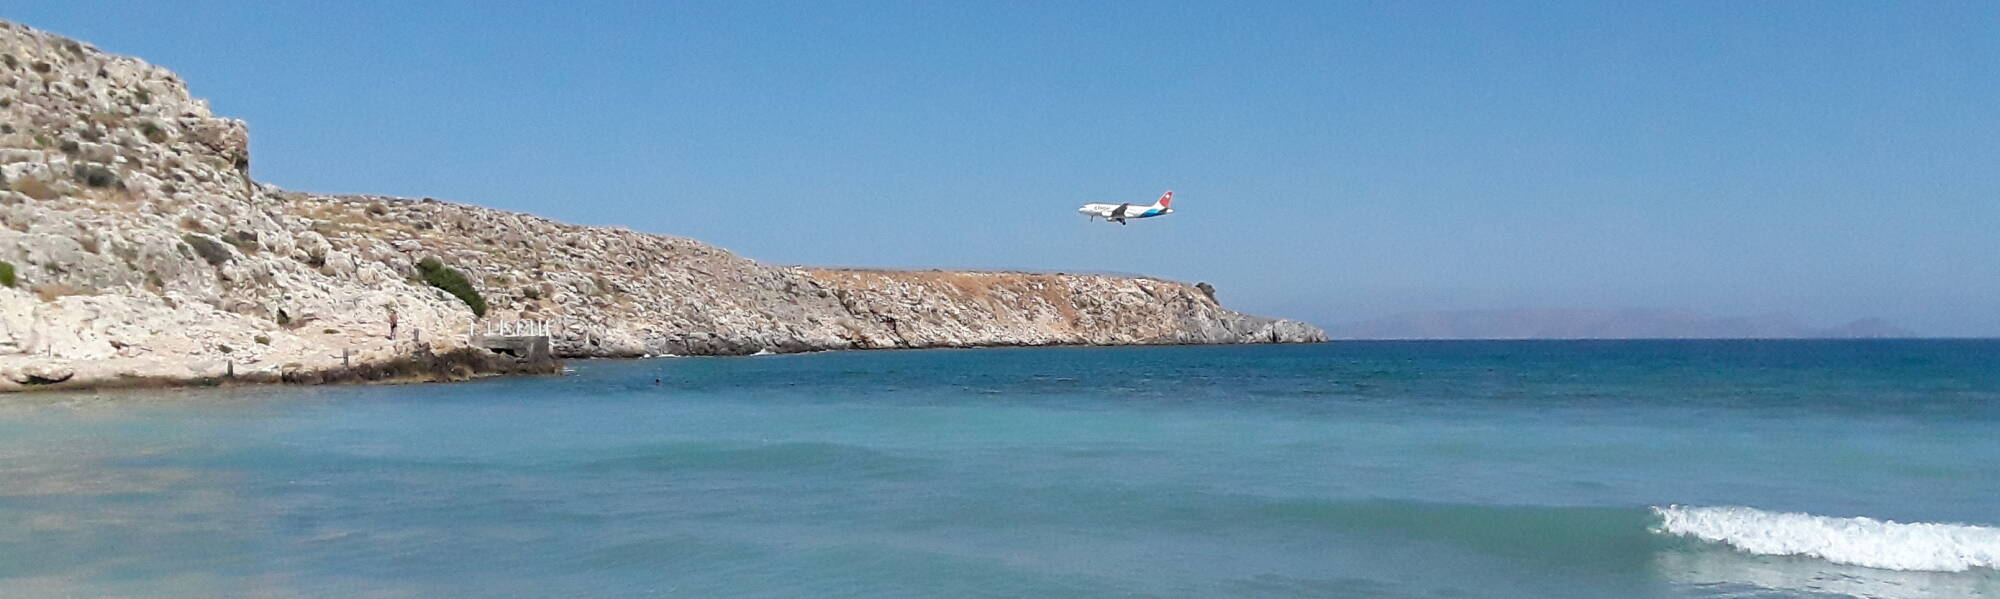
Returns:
<point x="1447" y="469"/>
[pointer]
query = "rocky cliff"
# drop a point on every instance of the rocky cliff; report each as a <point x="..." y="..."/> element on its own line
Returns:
<point x="136" y="247"/>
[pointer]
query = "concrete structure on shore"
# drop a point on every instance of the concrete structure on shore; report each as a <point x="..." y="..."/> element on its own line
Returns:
<point x="528" y="341"/>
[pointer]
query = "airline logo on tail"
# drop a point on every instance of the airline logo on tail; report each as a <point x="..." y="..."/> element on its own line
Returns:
<point x="1120" y="213"/>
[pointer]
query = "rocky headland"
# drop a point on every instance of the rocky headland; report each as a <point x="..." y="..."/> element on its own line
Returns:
<point x="135" y="249"/>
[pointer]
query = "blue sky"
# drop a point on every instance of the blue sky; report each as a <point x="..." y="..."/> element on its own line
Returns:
<point x="1332" y="161"/>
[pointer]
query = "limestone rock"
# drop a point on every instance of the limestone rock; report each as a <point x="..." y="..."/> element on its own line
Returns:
<point x="43" y="374"/>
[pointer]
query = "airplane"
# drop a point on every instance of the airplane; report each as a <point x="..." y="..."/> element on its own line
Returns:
<point x="1119" y="213"/>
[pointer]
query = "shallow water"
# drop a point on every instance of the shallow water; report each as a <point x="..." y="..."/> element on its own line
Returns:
<point x="1440" y="469"/>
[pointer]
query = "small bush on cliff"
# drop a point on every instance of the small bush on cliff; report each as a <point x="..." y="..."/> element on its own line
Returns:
<point x="453" y="282"/>
<point x="1206" y="289"/>
<point x="209" y="249"/>
<point x="153" y="132"/>
<point x="95" y="175"/>
<point x="7" y="274"/>
<point x="245" y="241"/>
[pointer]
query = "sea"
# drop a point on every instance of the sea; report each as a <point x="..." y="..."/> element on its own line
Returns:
<point x="1751" y="469"/>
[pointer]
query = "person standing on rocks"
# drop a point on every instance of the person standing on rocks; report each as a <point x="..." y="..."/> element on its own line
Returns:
<point x="392" y="323"/>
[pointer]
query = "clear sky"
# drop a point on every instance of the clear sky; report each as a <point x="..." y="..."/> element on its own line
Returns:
<point x="1332" y="161"/>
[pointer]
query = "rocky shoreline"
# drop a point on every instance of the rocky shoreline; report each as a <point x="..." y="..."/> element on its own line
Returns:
<point x="458" y="365"/>
<point x="136" y="249"/>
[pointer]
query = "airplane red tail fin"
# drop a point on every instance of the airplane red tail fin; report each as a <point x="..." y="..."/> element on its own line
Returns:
<point x="1167" y="200"/>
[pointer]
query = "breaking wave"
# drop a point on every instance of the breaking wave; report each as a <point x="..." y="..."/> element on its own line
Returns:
<point x="1867" y="542"/>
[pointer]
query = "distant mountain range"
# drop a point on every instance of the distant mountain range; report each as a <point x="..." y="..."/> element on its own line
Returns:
<point x="1634" y="323"/>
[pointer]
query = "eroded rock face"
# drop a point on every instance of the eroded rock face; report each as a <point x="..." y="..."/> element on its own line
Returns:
<point x="141" y="249"/>
<point x="614" y="292"/>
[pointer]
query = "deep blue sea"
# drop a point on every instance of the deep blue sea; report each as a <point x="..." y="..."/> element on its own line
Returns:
<point x="1364" y="469"/>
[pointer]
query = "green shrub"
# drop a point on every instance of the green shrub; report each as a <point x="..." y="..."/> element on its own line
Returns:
<point x="95" y="175"/>
<point x="7" y="274"/>
<point x="453" y="282"/>
<point x="153" y="132"/>
<point x="209" y="249"/>
<point x="245" y="241"/>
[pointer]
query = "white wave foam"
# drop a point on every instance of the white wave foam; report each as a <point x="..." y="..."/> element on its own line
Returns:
<point x="1888" y="545"/>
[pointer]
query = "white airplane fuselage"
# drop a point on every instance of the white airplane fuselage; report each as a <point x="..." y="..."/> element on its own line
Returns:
<point x="1119" y="213"/>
